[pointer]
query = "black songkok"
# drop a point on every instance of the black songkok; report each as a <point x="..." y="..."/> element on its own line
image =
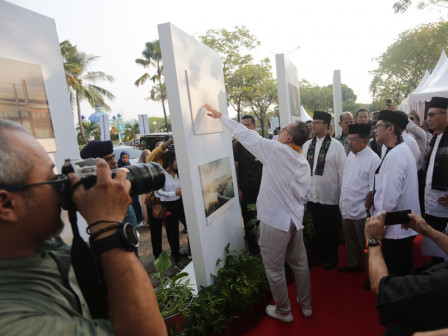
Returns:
<point x="439" y="102"/>
<point x="325" y="116"/>
<point x="361" y="129"/>
<point x="398" y="118"/>
<point x="97" y="148"/>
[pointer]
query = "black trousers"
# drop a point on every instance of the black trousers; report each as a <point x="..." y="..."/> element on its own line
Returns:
<point x="438" y="223"/>
<point x="171" y="226"/>
<point x="327" y="225"/>
<point x="249" y="197"/>
<point x="398" y="255"/>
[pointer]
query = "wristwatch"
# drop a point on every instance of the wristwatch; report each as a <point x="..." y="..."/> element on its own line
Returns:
<point x="125" y="237"/>
<point x="373" y="242"/>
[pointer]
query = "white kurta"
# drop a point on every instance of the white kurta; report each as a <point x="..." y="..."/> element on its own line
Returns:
<point x="326" y="189"/>
<point x="431" y="196"/>
<point x="359" y="169"/>
<point x="412" y="144"/>
<point x="396" y="187"/>
<point x="285" y="182"/>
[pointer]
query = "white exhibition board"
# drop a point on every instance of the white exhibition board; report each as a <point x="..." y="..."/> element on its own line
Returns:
<point x="194" y="76"/>
<point x="143" y="124"/>
<point x="337" y="101"/>
<point x="288" y="90"/>
<point x="30" y="38"/>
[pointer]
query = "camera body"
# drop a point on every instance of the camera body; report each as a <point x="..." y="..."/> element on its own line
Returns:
<point x="143" y="177"/>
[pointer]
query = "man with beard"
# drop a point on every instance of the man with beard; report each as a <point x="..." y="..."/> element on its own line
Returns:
<point x="39" y="293"/>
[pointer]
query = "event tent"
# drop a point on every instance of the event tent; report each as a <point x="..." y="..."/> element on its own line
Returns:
<point x="435" y="85"/>
<point x="304" y="116"/>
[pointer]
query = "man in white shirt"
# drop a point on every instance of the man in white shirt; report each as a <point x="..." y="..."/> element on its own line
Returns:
<point x="358" y="173"/>
<point x="284" y="190"/>
<point x="436" y="168"/>
<point x="396" y="188"/>
<point x="326" y="157"/>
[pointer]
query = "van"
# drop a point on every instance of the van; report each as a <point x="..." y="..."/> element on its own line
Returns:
<point x="147" y="141"/>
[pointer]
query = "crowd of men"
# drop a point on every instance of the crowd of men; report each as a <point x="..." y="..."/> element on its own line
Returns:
<point x="351" y="182"/>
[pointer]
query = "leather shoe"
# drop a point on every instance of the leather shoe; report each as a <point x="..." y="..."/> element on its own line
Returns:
<point x="272" y="312"/>
<point x="331" y="263"/>
<point x="318" y="260"/>
<point x="349" y="269"/>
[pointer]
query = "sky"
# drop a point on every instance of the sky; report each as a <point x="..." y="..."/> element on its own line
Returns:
<point x="345" y="35"/>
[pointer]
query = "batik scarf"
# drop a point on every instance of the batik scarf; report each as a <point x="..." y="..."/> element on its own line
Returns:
<point x="440" y="170"/>
<point x="321" y="157"/>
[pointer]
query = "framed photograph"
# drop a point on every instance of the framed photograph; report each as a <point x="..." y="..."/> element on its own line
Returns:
<point x="294" y="100"/>
<point x="217" y="187"/>
<point x="202" y="90"/>
<point x="23" y="99"/>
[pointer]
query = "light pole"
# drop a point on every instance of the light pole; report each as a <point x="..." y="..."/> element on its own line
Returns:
<point x="154" y="125"/>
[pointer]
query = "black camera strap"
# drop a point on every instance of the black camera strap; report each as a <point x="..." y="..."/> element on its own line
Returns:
<point x="88" y="275"/>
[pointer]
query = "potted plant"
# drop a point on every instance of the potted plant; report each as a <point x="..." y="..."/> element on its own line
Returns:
<point x="174" y="295"/>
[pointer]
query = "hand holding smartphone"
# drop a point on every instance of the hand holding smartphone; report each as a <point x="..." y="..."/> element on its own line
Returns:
<point x="397" y="217"/>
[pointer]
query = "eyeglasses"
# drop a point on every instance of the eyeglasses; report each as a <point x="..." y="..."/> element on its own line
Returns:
<point x="315" y="123"/>
<point x="285" y="129"/>
<point x="432" y="114"/>
<point x="60" y="182"/>
<point x="109" y="157"/>
<point x="378" y="125"/>
<point x="353" y="139"/>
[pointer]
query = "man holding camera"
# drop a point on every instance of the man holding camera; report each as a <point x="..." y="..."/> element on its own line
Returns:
<point x="39" y="294"/>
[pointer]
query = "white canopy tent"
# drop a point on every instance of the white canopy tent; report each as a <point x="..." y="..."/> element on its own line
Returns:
<point x="435" y="86"/>
<point x="406" y="104"/>
<point x="304" y="116"/>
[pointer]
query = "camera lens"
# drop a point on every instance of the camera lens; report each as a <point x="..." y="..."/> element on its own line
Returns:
<point x="145" y="177"/>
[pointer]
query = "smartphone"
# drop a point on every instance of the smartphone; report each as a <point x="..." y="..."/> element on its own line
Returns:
<point x="388" y="101"/>
<point x="397" y="217"/>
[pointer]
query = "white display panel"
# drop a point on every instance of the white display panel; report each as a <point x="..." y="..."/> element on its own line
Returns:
<point x="288" y="90"/>
<point x="194" y="77"/>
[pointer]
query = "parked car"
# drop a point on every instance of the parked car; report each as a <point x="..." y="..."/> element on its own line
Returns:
<point x="147" y="140"/>
<point x="134" y="152"/>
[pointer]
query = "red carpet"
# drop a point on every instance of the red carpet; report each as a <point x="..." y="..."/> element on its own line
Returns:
<point x="340" y="305"/>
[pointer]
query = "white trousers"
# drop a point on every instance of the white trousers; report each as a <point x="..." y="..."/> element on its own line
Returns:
<point x="276" y="246"/>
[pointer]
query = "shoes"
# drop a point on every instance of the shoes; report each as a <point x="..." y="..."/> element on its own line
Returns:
<point x="272" y="312"/>
<point x="307" y="311"/>
<point x="349" y="269"/>
<point x="318" y="260"/>
<point x="366" y="285"/>
<point x="331" y="263"/>
<point x="185" y="230"/>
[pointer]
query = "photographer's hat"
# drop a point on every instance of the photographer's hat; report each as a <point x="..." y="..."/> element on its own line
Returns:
<point x="439" y="102"/>
<point x="97" y="148"/>
<point x="398" y="118"/>
<point x="361" y="129"/>
<point x="325" y="116"/>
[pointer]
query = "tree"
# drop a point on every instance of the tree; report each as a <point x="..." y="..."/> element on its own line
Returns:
<point x="232" y="45"/>
<point x="316" y="98"/>
<point x="152" y="57"/>
<point x="90" y="129"/>
<point x="81" y="82"/>
<point x="260" y="90"/>
<point x="402" y="6"/>
<point x="404" y="63"/>
<point x="131" y="131"/>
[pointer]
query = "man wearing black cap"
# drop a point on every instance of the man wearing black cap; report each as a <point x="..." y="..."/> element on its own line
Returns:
<point x="359" y="168"/>
<point x="326" y="157"/>
<point x="436" y="166"/>
<point x="395" y="188"/>
<point x="105" y="150"/>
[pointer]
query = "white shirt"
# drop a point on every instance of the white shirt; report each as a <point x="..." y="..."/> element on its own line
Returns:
<point x="326" y="189"/>
<point x="285" y="182"/>
<point x="421" y="138"/>
<point x="359" y="169"/>
<point x="431" y="206"/>
<point x="396" y="187"/>
<point x="168" y="192"/>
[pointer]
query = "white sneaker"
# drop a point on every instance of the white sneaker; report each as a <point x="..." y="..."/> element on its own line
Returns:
<point x="307" y="311"/>
<point x="272" y="312"/>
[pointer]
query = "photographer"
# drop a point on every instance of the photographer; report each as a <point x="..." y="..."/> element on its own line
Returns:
<point x="39" y="294"/>
<point x="411" y="303"/>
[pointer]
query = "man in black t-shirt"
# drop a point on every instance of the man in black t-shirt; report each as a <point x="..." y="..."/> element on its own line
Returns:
<point x="248" y="171"/>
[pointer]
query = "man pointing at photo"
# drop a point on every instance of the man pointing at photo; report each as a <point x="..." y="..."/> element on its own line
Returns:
<point x="284" y="190"/>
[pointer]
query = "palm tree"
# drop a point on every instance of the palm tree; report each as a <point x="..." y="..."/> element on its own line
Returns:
<point x="90" y="128"/>
<point x="81" y="82"/>
<point x="153" y="58"/>
<point x="131" y="131"/>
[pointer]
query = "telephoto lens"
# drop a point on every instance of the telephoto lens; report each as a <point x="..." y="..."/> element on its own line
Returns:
<point x="145" y="177"/>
